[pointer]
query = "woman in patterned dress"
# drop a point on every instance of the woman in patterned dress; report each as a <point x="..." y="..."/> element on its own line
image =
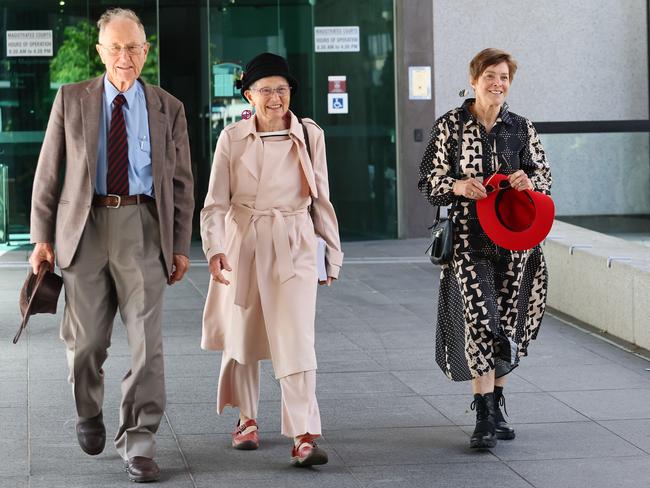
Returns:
<point x="491" y="300"/>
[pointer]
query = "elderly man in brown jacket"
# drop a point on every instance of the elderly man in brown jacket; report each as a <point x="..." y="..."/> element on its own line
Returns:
<point x="121" y="226"/>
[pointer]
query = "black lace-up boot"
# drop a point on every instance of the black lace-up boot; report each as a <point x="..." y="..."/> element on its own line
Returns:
<point x="484" y="435"/>
<point x="503" y="430"/>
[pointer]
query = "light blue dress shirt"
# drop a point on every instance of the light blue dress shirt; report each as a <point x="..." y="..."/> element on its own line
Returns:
<point x="137" y="134"/>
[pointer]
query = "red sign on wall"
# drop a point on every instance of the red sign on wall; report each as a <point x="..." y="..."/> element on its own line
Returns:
<point x="336" y="84"/>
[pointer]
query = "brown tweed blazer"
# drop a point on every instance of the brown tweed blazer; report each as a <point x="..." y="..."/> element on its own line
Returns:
<point x="65" y="176"/>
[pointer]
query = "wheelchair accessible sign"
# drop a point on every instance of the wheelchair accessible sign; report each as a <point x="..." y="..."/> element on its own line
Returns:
<point x="337" y="97"/>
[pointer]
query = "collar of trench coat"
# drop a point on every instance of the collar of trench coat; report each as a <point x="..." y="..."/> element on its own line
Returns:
<point x="246" y="129"/>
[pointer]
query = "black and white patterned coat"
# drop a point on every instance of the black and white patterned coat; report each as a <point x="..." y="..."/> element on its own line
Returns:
<point x="490" y="298"/>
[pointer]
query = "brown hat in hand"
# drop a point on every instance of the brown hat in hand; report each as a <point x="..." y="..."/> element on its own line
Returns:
<point x="39" y="294"/>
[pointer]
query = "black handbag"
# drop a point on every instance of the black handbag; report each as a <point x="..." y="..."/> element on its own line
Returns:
<point x="441" y="248"/>
<point x="442" y="241"/>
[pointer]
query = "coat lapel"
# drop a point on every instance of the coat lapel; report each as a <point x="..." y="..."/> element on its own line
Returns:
<point x="254" y="151"/>
<point x="157" y="135"/>
<point x="91" y="112"/>
<point x="252" y="156"/>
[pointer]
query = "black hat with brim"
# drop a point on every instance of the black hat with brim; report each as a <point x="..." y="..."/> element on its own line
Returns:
<point x="263" y="65"/>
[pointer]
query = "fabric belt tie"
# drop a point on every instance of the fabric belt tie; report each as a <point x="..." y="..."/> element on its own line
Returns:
<point x="247" y="217"/>
<point x="117" y="201"/>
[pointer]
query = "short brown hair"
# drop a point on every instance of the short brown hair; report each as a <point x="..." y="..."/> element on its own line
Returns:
<point x="119" y="13"/>
<point x="489" y="57"/>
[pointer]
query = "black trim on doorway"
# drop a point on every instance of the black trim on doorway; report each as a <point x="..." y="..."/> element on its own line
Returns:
<point x="592" y="126"/>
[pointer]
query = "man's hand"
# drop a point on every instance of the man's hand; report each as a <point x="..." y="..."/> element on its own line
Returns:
<point x="180" y="266"/>
<point x="218" y="263"/>
<point x="43" y="251"/>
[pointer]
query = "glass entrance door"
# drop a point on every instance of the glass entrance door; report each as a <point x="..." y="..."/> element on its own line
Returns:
<point x="59" y="47"/>
<point x="360" y="135"/>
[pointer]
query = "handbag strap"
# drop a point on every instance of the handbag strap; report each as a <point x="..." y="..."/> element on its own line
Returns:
<point x="304" y="131"/>
<point x="308" y="147"/>
<point x="459" y="147"/>
<point x="455" y="164"/>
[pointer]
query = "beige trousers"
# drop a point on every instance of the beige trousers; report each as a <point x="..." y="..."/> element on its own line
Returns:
<point x="118" y="266"/>
<point x="239" y="387"/>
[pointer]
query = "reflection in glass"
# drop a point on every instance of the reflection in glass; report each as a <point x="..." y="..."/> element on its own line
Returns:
<point x="361" y="143"/>
<point x="28" y="85"/>
<point x="601" y="181"/>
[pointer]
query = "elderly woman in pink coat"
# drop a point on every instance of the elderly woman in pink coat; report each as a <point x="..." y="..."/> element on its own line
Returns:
<point x="267" y="202"/>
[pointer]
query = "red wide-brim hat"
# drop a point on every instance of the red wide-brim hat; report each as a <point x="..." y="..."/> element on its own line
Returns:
<point x="512" y="219"/>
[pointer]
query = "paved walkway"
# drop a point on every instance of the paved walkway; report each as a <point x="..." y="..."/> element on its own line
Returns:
<point x="581" y="406"/>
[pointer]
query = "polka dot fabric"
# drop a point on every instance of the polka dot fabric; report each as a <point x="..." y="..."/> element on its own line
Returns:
<point x="491" y="299"/>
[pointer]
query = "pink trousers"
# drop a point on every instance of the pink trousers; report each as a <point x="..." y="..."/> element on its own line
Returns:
<point x="239" y="387"/>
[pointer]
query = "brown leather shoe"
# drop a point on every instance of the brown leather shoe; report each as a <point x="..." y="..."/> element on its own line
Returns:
<point x="91" y="434"/>
<point x="142" y="470"/>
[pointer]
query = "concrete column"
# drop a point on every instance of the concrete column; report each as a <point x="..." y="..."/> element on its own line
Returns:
<point x="414" y="47"/>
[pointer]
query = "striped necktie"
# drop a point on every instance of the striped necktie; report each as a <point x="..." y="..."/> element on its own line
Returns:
<point x="117" y="178"/>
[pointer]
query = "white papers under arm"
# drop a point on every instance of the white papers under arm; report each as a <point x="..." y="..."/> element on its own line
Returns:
<point x="320" y="260"/>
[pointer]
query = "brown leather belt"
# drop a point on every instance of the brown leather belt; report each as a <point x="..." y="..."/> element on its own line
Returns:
<point x="117" y="201"/>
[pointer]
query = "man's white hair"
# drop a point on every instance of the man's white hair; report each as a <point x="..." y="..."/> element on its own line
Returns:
<point x="119" y="13"/>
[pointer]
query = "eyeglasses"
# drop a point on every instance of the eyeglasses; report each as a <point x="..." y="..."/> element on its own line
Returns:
<point x="131" y="49"/>
<point x="503" y="185"/>
<point x="266" y="91"/>
<point x="495" y="172"/>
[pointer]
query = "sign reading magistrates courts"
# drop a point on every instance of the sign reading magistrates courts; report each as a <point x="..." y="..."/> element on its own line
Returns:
<point x="29" y="43"/>
<point x="336" y="39"/>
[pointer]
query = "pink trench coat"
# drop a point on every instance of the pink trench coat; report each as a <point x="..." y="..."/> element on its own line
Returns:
<point x="257" y="213"/>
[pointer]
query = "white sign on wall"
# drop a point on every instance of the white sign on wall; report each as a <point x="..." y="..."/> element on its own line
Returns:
<point x="29" y="43"/>
<point x="337" y="103"/>
<point x="419" y="82"/>
<point x="336" y="39"/>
